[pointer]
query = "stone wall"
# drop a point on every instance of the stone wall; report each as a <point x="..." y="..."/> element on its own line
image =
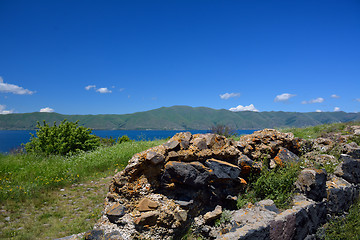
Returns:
<point x="191" y="179"/>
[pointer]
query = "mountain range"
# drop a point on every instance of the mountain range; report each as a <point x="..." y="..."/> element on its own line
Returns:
<point x="180" y="118"/>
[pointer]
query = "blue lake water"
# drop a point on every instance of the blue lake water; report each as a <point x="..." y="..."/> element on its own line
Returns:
<point x="11" y="139"/>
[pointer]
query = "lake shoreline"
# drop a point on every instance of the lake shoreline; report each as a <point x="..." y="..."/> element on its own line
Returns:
<point x="13" y="139"/>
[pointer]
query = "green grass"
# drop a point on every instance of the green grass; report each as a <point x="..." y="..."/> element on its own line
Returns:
<point x="30" y="190"/>
<point x="318" y="131"/>
<point x="277" y="185"/>
<point x="345" y="228"/>
<point x="25" y="175"/>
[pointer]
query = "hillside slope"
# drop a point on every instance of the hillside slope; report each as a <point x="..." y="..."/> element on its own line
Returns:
<point x="180" y="118"/>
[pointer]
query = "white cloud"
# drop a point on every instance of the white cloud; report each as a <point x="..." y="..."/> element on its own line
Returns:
<point x="240" y="108"/>
<point x="335" y="96"/>
<point x="4" y="111"/>
<point x="336" y="109"/>
<point x="358" y="99"/>
<point x="283" y="97"/>
<point x="316" y="100"/>
<point x="12" y="88"/>
<point x="47" y="109"/>
<point x="318" y="110"/>
<point x="103" y="90"/>
<point x="90" y="87"/>
<point x="229" y="95"/>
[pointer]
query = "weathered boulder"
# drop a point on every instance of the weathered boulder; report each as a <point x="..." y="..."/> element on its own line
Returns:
<point x="340" y="195"/>
<point x="349" y="169"/>
<point x="352" y="149"/>
<point x="146" y="204"/>
<point x="323" y="144"/>
<point x="248" y="166"/>
<point x="216" y="213"/>
<point x="312" y="182"/>
<point x="115" y="211"/>
<point x="200" y="143"/>
<point x="284" y="157"/>
<point x="264" y="221"/>
<point x="147" y="218"/>
<point x="193" y="174"/>
<point x="222" y="170"/>
<point x="154" y="157"/>
<point x="300" y="221"/>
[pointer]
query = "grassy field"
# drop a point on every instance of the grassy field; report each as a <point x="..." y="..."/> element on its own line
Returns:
<point x="56" y="196"/>
<point x="319" y="130"/>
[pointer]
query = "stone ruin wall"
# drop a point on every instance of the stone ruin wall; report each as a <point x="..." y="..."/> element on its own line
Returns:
<point x="191" y="179"/>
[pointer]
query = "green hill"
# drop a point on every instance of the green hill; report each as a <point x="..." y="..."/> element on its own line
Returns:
<point x="180" y="118"/>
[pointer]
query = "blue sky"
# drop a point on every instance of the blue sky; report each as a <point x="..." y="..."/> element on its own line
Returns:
<point x="116" y="57"/>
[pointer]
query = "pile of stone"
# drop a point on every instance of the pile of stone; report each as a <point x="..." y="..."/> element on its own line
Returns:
<point x="191" y="179"/>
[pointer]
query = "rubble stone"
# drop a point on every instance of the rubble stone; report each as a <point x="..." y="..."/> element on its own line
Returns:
<point x="312" y="182"/>
<point x="349" y="169"/>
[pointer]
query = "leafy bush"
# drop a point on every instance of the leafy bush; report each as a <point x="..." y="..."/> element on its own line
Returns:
<point x="66" y="138"/>
<point x="123" y="139"/>
<point x="223" y="130"/>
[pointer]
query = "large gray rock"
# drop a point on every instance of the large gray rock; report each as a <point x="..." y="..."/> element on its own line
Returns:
<point x="349" y="169"/>
<point x="312" y="182"/>
<point x="340" y="195"/>
<point x="115" y="212"/>
<point x="193" y="174"/>
<point x="263" y="221"/>
<point x="296" y="223"/>
<point x="216" y="213"/>
<point x="248" y="166"/>
<point x="172" y="145"/>
<point x="223" y="170"/>
<point x="154" y="157"/>
<point x="200" y="143"/>
<point x="353" y="150"/>
<point x="283" y="157"/>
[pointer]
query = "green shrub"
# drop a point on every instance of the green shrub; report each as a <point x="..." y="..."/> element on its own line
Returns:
<point x="66" y="138"/>
<point x="277" y="184"/>
<point x="123" y="139"/>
